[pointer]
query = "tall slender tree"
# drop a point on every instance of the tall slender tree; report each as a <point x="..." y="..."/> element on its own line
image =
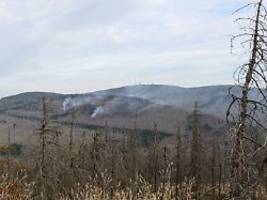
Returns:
<point x="197" y="152"/>
<point x="71" y="139"/>
<point x="251" y="78"/>
<point x="156" y="158"/>
<point x="48" y="162"/>
<point x="178" y="175"/>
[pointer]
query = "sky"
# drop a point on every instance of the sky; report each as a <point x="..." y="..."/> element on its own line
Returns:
<point x="76" y="46"/>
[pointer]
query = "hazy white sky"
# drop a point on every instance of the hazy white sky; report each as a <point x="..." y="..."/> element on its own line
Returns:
<point x="84" y="45"/>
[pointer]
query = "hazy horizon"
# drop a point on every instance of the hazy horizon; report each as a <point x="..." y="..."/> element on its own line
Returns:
<point x="131" y="85"/>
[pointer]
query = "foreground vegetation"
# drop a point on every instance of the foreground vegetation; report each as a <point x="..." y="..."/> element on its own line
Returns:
<point x="103" y="164"/>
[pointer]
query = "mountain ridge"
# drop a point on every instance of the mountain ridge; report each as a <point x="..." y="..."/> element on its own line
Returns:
<point x="165" y="105"/>
<point x="211" y="99"/>
<point x="114" y="88"/>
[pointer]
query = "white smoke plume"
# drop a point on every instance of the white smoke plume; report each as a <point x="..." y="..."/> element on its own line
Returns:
<point x="70" y="103"/>
<point x="97" y="111"/>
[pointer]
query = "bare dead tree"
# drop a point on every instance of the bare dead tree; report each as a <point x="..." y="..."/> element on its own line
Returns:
<point x="95" y="156"/>
<point x="8" y="152"/>
<point x="107" y="136"/>
<point x="220" y="182"/>
<point x="197" y="153"/>
<point x="43" y="136"/>
<point x="14" y="132"/>
<point x="165" y="171"/>
<point x="252" y="103"/>
<point x="133" y="143"/>
<point x="153" y="161"/>
<point x="113" y="167"/>
<point x="124" y="151"/>
<point x="71" y="139"/>
<point x="156" y="158"/>
<point x="47" y="164"/>
<point x="213" y="168"/>
<point x="133" y="151"/>
<point x="178" y="163"/>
